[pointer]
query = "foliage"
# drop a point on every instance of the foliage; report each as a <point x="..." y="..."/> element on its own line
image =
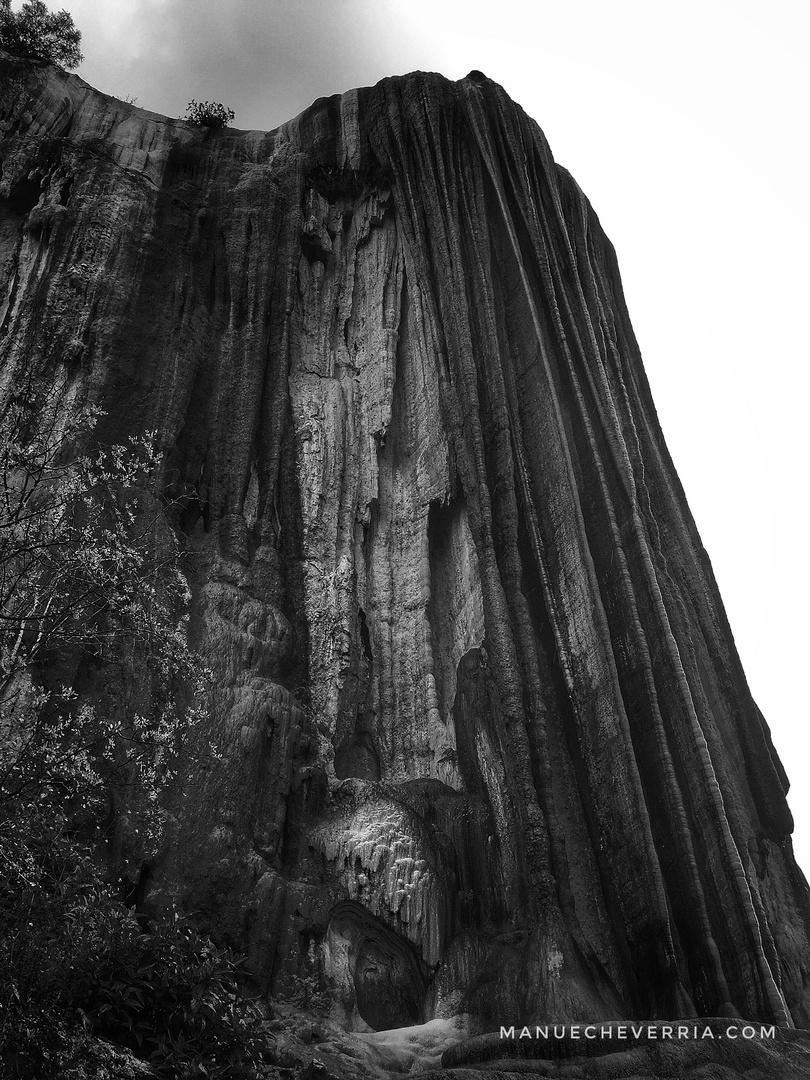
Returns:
<point x="90" y="575"/>
<point x="211" y="114"/>
<point x="175" y="995"/>
<point x="39" y="34"/>
<point x="72" y="548"/>
<point x="79" y="576"/>
<point x="78" y="965"/>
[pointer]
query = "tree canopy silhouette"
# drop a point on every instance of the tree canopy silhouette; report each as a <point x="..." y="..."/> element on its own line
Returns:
<point x="40" y="34"/>
<point x="211" y="114"/>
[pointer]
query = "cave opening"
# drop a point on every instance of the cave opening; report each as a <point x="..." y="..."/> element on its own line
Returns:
<point x="25" y="194"/>
<point x="386" y="996"/>
<point x="358" y="758"/>
<point x="387" y="977"/>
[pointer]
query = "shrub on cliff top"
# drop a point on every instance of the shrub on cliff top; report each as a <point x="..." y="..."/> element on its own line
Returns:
<point x="39" y="34"/>
<point x="211" y="114"/>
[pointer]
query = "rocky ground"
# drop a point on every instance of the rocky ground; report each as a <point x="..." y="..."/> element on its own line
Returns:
<point x="316" y="1049"/>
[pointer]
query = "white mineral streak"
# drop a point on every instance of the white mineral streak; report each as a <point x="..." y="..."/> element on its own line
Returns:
<point x="371" y="460"/>
<point x="554" y="962"/>
<point x="492" y="771"/>
<point x="457" y="625"/>
<point x="349" y="130"/>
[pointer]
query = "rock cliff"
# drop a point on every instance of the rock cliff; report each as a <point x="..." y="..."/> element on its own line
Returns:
<point x="484" y="741"/>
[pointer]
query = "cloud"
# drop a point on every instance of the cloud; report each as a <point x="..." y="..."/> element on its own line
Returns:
<point x="266" y="59"/>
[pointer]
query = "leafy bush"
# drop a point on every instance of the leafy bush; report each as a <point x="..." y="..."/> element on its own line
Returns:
<point x="84" y="569"/>
<point x="87" y="568"/>
<point x="77" y="964"/>
<point x="39" y="34"/>
<point x="211" y="114"/>
<point x="175" y="998"/>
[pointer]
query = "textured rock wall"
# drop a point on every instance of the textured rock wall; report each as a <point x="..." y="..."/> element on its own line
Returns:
<point x="483" y="740"/>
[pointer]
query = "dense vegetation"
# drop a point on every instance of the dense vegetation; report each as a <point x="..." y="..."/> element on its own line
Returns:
<point x="40" y="34"/>
<point x="90" y="577"/>
<point x="210" y="114"/>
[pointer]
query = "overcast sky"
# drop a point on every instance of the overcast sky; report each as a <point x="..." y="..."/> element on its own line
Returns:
<point x="687" y="127"/>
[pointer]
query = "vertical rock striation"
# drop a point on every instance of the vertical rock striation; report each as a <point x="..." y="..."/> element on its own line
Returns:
<point x="484" y="740"/>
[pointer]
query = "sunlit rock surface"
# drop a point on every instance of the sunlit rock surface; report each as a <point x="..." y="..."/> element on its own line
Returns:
<point x="483" y="742"/>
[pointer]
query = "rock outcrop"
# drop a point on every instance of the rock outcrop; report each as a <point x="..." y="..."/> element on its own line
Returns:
<point x="484" y="742"/>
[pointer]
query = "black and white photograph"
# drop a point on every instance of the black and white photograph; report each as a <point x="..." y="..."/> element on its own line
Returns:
<point x="403" y="523"/>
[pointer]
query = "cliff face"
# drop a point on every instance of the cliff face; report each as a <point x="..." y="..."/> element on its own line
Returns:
<point x="484" y="740"/>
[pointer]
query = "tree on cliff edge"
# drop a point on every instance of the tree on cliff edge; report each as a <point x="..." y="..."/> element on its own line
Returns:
<point x="39" y="34"/>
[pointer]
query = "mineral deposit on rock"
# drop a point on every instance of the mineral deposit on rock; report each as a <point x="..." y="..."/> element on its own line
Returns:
<point x="485" y="746"/>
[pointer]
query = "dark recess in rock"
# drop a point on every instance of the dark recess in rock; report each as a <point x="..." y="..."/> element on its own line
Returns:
<point x="24" y="195"/>
<point x="388" y="984"/>
<point x="358" y="758"/>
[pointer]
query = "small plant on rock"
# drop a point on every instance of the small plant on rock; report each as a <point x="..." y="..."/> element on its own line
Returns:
<point x="211" y="114"/>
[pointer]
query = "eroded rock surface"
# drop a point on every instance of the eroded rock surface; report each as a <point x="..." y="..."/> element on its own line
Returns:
<point x="484" y="744"/>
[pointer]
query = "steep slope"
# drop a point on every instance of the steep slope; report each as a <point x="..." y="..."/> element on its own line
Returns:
<point x="484" y="742"/>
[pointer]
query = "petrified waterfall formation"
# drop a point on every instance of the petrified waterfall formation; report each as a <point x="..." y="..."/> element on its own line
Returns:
<point x="485" y="742"/>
